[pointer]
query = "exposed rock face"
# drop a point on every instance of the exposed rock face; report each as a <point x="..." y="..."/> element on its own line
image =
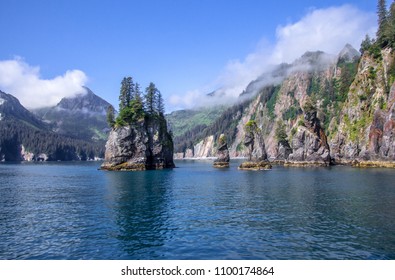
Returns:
<point x="349" y="54"/>
<point x="222" y="153"/>
<point x="366" y="131"/>
<point x="353" y="121"/>
<point x="256" y="146"/>
<point x="204" y="148"/>
<point x="140" y="146"/>
<point x="284" y="150"/>
<point x="309" y="144"/>
<point x="26" y="155"/>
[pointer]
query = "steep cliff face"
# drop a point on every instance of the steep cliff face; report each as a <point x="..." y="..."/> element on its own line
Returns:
<point x="205" y="148"/>
<point x="283" y="102"/>
<point x="139" y="146"/>
<point x="223" y="158"/>
<point x="309" y="144"/>
<point x="366" y="128"/>
<point x="326" y="109"/>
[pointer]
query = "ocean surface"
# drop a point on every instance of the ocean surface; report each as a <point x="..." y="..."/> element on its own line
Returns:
<point x="74" y="211"/>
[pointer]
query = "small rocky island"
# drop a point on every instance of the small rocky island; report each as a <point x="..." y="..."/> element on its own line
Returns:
<point x="257" y="156"/>
<point x="223" y="158"/>
<point x="139" y="138"/>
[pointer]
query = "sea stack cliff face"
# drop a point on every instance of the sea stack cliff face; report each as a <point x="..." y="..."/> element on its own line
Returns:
<point x="222" y="153"/>
<point x="309" y="144"/>
<point x="257" y="156"/>
<point x="143" y="145"/>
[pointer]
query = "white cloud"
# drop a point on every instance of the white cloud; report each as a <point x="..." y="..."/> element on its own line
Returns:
<point x="24" y="82"/>
<point x="327" y="30"/>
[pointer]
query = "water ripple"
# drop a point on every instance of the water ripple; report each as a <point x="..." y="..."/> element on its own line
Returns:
<point x="73" y="211"/>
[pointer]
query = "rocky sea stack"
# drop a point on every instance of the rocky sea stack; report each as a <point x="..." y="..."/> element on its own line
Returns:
<point x="139" y="139"/>
<point x="257" y="159"/>
<point x="223" y="158"/>
<point x="144" y="145"/>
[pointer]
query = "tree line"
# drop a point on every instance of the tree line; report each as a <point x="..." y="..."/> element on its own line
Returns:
<point x="226" y="124"/>
<point x="134" y="106"/>
<point x="13" y="134"/>
<point x="385" y="35"/>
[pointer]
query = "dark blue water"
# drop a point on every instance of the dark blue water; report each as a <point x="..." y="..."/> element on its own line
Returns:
<point x="74" y="211"/>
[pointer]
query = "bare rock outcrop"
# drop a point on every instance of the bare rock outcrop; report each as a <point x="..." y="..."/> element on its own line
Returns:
<point x="143" y="145"/>
<point x="366" y="133"/>
<point x="222" y="153"/>
<point x="309" y="144"/>
<point x="256" y="149"/>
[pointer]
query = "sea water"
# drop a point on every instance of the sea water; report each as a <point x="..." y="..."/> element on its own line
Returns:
<point x="74" y="211"/>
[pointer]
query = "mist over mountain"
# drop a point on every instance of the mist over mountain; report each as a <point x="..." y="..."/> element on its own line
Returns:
<point x="82" y="116"/>
<point x="23" y="136"/>
<point x="11" y="109"/>
<point x="320" y="109"/>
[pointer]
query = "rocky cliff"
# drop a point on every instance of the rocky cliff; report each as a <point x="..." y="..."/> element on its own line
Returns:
<point x="326" y="109"/>
<point x="309" y="144"/>
<point x="143" y="145"/>
<point x="366" y="129"/>
<point x="223" y="158"/>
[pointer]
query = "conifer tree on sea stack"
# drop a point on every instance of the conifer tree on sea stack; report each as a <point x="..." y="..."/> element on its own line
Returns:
<point x="151" y="97"/>
<point x="127" y="91"/>
<point x="110" y="116"/>
<point x="160" y="104"/>
<point x="137" y="103"/>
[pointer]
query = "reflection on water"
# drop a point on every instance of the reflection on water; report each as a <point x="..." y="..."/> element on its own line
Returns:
<point x="74" y="211"/>
<point x="139" y="202"/>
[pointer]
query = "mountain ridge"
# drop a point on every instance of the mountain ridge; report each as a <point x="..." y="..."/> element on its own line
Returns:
<point x="24" y="137"/>
<point x="344" y="85"/>
<point x="82" y="116"/>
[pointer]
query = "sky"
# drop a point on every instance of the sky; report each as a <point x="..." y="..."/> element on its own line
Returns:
<point x="188" y="48"/>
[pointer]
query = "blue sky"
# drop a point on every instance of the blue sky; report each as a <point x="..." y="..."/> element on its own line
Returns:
<point x="186" y="47"/>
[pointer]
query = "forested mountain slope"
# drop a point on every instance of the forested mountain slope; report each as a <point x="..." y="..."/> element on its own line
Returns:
<point x="24" y="137"/>
<point x="327" y="109"/>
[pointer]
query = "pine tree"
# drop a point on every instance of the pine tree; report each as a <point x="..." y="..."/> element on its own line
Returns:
<point x="137" y="91"/>
<point x="366" y="44"/>
<point x="160" y="104"/>
<point x="151" y="93"/>
<point x="137" y="103"/>
<point x="126" y="93"/>
<point x="110" y="116"/>
<point x="382" y="22"/>
<point x="391" y="25"/>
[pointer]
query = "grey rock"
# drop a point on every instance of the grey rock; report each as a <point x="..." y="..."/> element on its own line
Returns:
<point x="223" y="158"/>
<point x="309" y="143"/>
<point x="140" y="146"/>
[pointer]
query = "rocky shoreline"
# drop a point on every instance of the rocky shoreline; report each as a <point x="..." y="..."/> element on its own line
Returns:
<point x="354" y="163"/>
<point x="255" y="165"/>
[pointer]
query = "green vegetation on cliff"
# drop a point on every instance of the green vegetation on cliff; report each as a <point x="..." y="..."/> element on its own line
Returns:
<point x="186" y="120"/>
<point x="134" y="107"/>
<point x="225" y="123"/>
